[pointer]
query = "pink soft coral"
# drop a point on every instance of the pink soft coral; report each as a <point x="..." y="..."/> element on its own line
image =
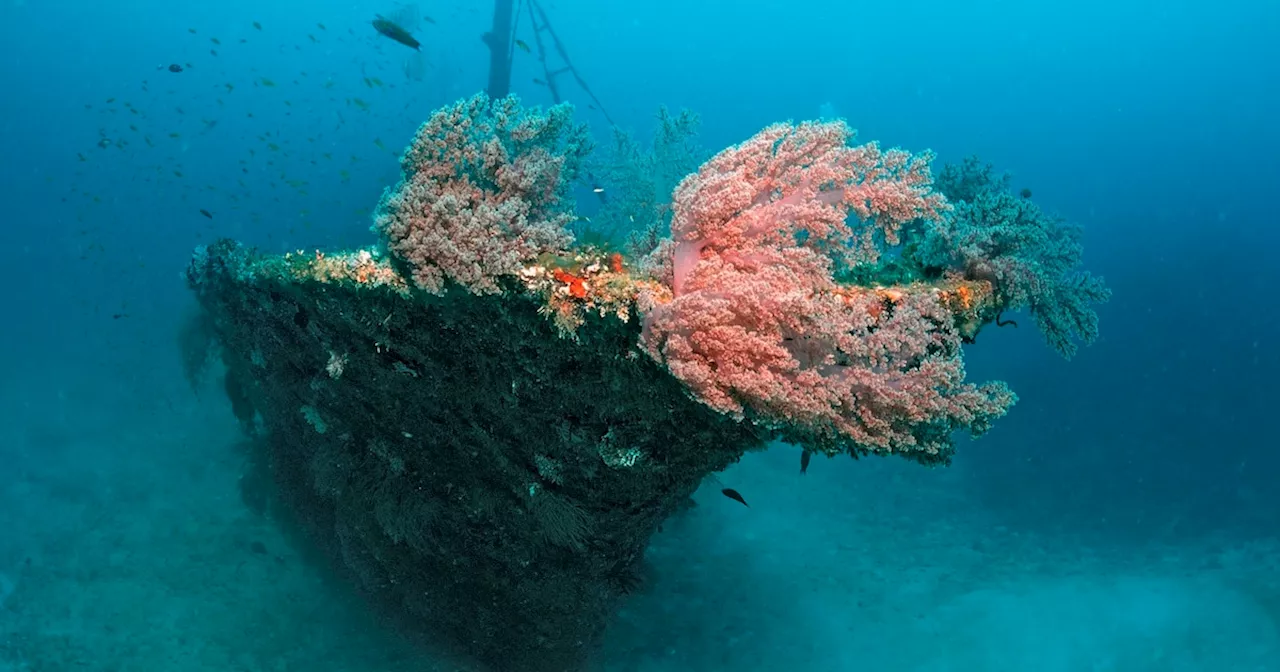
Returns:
<point x="758" y="325"/>
<point x="484" y="190"/>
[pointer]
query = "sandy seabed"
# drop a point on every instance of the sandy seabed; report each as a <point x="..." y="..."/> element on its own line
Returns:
<point x="127" y="546"/>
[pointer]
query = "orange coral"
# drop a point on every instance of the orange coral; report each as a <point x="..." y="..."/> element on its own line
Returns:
<point x="577" y="288"/>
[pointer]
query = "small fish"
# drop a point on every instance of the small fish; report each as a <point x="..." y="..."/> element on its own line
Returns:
<point x="174" y="67"/>
<point x="1025" y="193"/>
<point x="321" y="26"/>
<point x="216" y="41"/>
<point x="191" y="30"/>
<point x="428" y="19"/>
<point x="267" y="83"/>
<point x="597" y="190"/>
<point x="522" y="46"/>
<point x="733" y="494"/>
<point x="116" y="316"/>
<point x="390" y="29"/>
<point x="539" y="82"/>
<point x="206" y="213"/>
<point x="804" y="461"/>
<point x="257" y="26"/>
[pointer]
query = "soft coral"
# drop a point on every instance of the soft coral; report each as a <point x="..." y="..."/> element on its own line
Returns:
<point x="758" y="324"/>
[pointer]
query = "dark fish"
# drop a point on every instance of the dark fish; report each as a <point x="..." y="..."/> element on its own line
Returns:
<point x="206" y="213"/>
<point x="390" y="29"/>
<point x="116" y="316"/>
<point x="175" y="68"/>
<point x="257" y="26"/>
<point x="523" y="47"/>
<point x="539" y="82"/>
<point x="1025" y="193"/>
<point x="804" y="461"/>
<point x="733" y="494"/>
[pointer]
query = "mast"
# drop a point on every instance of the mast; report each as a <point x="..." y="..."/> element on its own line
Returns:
<point x="499" y="40"/>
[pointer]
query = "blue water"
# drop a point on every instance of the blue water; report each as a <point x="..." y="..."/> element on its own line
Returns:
<point x="1124" y="516"/>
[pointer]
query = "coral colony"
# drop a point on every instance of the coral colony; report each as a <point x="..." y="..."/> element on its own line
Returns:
<point x="485" y="421"/>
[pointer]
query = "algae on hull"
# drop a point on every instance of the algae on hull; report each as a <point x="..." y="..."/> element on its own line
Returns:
<point x="480" y="474"/>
